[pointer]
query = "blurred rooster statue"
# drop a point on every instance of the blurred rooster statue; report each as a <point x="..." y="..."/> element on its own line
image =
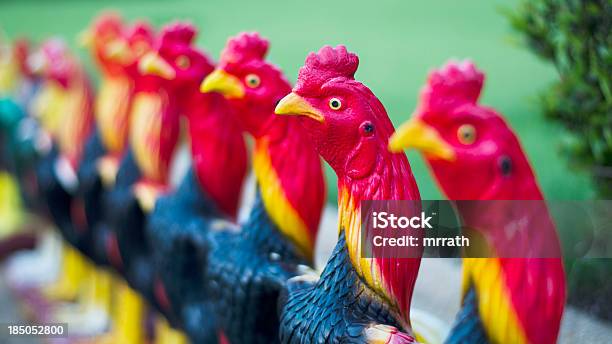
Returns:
<point x="11" y="209"/>
<point x="356" y="299"/>
<point x="162" y="92"/>
<point x="116" y="48"/>
<point x="26" y="110"/>
<point x="505" y="299"/>
<point x="23" y="139"/>
<point x="211" y="189"/>
<point x="65" y="110"/>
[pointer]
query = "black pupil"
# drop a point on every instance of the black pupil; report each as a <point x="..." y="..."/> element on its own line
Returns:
<point x="368" y="128"/>
<point x="252" y="81"/>
<point x="505" y="165"/>
<point x="467" y="134"/>
<point x="335" y="103"/>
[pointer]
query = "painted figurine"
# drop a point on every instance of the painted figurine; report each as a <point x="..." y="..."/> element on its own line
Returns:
<point x="210" y="190"/>
<point x="116" y="48"/>
<point x="251" y="266"/>
<point x="356" y="299"/>
<point x="505" y="299"/>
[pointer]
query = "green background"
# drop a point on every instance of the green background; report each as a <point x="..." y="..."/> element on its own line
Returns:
<point x="398" y="42"/>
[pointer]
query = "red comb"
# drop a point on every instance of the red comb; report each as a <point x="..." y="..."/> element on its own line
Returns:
<point x="327" y="64"/>
<point x="21" y="47"/>
<point x="140" y="29"/>
<point x="456" y="82"/>
<point x="178" y="33"/>
<point x="245" y="46"/>
<point x="21" y="51"/>
<point x="54" y="47"/>
<point x="108" y="22"/>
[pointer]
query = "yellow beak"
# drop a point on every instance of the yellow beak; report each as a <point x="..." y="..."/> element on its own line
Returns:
<point x="118" y="50"/>
<point x="85" y="39"/>
<point x="417" y="134"/>
<point x="153" y="64"/>
<point x="221" y="82"/>
<point x="292" y="104"/>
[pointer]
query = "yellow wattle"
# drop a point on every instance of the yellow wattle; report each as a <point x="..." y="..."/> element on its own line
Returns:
<point x="111" y="110"/>
<point x="494" y="300"/>
<point x="280" y="210"/>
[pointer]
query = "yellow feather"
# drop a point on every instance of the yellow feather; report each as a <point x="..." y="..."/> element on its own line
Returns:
<point x="276" y="203"/>
<point x="496" y="312"/>
<point x="145" y="132"/>
<point x="48" y="107"/>
<point x="112" y="105"/>
<point x="9" y="72"/>
<point x="11" y="212"/>
<point x="350" y="220"/>
<point x="73" y="119"/>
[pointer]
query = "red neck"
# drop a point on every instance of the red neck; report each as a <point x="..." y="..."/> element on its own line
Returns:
<point x="282" y="159"/>
<point x="218" y="150"/>
<point x="392" y="278"/>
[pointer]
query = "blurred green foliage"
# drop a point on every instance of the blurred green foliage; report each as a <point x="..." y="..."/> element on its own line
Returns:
<point x="576" y="36"/>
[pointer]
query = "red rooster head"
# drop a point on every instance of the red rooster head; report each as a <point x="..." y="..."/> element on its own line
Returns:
<point x="54" y="62"/>
<point x="105" y="29"/>
<point x="350" y="128"/>
<point x="124" y="52"/>
<point x="21" y="51"/>
<point x="67" y="110"/>
<point x="462" y="139"/>
<point x="346" y="121"/>
<point x="252" y="84"/>
<point x="176" y="59"/>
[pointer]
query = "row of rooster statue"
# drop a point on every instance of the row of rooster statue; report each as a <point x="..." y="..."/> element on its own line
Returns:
<point x="149" y="262"/>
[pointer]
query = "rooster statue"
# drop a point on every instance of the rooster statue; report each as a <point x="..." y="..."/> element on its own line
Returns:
<point x="291" y="194"/>
<point x="116" y="49"/>
<point x="11" y="209"/>
<point x="65" y="110"/>
<point x="31" y="112"/>
<point x="23" y="137"/>
<point x="162" y="92"/>
<point x="210" y="190"/>
<point x="153" y="135"/>
<point x="74" y="118"/>
<point x="505" y="299"/>
<point x="231" y="269"/>
<point x="356" y="299"/>
<point x="105" y="29"/>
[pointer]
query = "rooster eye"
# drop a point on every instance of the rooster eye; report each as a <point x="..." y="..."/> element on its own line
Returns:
<point x="505" y="165"/>
<point x="252" y="80"/>
<point x="466" y="134"/>
<point x="182" y="62"/>
<point x="367" y="128"/>
<point x="335" y="104"/>
<point x="140" y="48"/>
